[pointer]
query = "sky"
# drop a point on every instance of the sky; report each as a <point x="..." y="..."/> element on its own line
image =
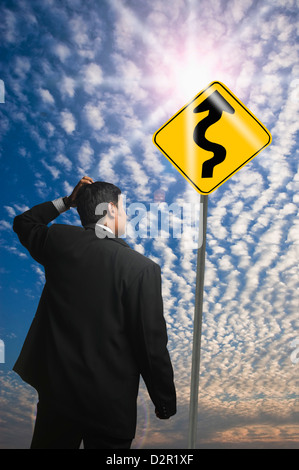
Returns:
<point x="86" y="85"/>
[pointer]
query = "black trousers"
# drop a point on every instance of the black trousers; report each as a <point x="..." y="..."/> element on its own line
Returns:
<point x="55" y="431"/>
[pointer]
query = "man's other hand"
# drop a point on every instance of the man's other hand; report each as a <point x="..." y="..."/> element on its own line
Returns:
<point x="161" y="415"/>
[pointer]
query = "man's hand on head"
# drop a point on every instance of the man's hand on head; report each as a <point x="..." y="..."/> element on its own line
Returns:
<point x="70" y="201"/>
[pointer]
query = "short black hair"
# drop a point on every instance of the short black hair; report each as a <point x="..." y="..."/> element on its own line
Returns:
<point x="91" y="195"/>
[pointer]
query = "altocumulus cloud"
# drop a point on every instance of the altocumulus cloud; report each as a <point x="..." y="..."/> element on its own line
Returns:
<point x="86" y="88"/>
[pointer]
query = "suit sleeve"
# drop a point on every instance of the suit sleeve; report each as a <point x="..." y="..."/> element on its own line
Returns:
<point x="149" y="339"/>
<point x="31" y="228"/>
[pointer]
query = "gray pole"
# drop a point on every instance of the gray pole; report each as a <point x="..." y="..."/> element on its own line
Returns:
<point x="200" y="273"/>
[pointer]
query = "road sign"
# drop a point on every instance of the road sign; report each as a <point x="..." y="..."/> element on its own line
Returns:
<point x="211" y="138"/>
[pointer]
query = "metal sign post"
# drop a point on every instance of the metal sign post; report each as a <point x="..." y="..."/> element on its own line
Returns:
<point x="200" y="272"/>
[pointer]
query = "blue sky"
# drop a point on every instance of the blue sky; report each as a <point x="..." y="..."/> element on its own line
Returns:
<point x="87" y="83"/>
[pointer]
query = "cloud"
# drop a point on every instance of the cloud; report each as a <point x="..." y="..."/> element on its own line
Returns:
<point x="16" y="427"/>
<point x="46" y="96"/>
<point x="41" y="187"/>
<point x="40" y="273"/>
<point x="67" y="86"/>
<point x="21" y="66"/>
<point x="239" y="10"/>
<point x="62" y="51"/>
<point x="9" y="26"/>
<point x="52" y="169"/>
<point x="4" y="225"/>
<point x="106" y="167"/>
<point x="67" y="187"/>
<point x="67" y="121"/>
<point x="94" y="116"/>
<point x="64" y="161"/>
<point x="21" y="207"/>
<point x="86" y="31"/>
<point x="138" y="177"/>
<point x="131" y="78"/>
<point x="85" y="158"/>
<point x="92" y="77"/>
<point x="11" y="211"/>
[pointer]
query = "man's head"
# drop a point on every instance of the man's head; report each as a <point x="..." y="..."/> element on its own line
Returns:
<point x="101" y="202"/>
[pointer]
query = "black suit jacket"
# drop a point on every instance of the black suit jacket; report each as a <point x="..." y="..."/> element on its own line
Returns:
<point x="98" y="326"/>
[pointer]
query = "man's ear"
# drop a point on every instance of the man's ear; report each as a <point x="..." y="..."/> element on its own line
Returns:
<point x="112" y="210"/>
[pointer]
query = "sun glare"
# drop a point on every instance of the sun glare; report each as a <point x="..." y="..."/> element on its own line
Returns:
<point x="190" y="79"/>
<point x="192" y="74"/>
<point x="181" y="77"/>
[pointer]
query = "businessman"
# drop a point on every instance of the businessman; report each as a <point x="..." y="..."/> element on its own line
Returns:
<point x="99" y="325"/>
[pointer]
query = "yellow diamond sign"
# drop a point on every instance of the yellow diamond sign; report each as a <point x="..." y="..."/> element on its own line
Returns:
<point x="211" y="138"/>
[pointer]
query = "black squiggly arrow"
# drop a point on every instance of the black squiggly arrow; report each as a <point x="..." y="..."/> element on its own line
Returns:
<point x="216" y="105"/>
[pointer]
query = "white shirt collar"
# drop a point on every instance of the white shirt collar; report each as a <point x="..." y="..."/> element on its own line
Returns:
<point x="105" y="228"/>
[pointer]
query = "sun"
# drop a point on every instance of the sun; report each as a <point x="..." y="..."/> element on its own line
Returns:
<point x="184" y="74"/>
<point x="192" y="73"/>
<point x="190" y="78"/>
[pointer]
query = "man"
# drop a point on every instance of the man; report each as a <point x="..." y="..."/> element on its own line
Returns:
<point x="98" y="326"/>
